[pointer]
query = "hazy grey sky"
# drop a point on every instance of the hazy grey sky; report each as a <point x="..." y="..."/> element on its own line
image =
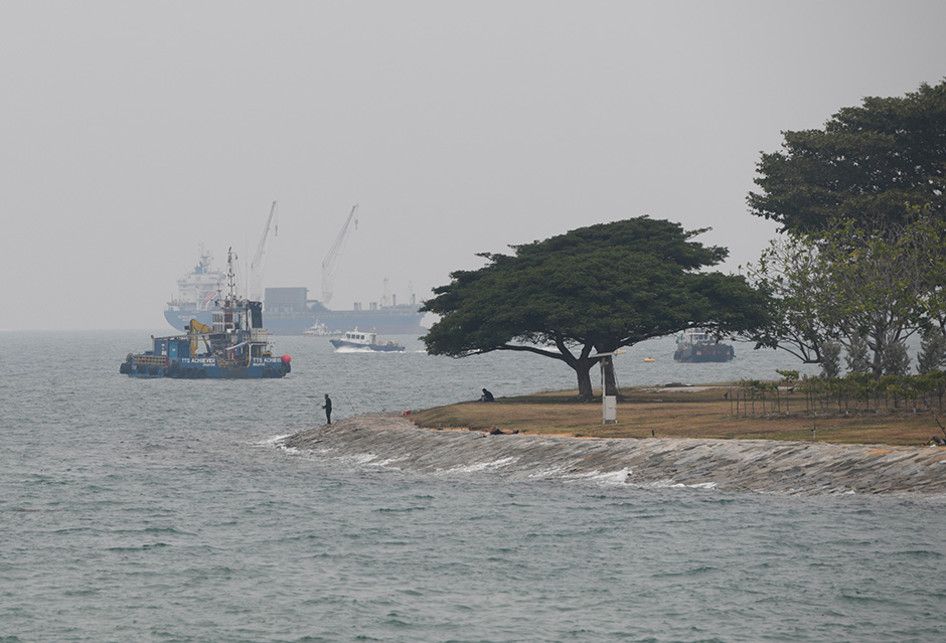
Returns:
<point x="130" y="132"/>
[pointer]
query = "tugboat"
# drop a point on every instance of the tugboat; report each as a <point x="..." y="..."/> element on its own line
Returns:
<point x="696" y="345"/>
<point x="236" y="346"/>
<point x="365" y="341"/>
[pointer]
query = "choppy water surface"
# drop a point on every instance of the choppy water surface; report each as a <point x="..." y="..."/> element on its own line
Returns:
<point x="162" y="510"/>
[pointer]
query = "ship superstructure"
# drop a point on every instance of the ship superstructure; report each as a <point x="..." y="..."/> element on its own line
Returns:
<point x="198" y="290"/>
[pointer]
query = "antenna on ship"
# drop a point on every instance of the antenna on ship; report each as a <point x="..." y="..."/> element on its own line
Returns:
<point x="330" y="263"/>
<point x="231" y="277"/>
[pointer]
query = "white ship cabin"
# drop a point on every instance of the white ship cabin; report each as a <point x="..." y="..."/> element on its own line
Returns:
<point x="695" y="336"/>
<point x="359" y="337"/>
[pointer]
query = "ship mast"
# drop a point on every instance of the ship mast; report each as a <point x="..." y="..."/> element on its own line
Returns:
<point x="231" y="277"/>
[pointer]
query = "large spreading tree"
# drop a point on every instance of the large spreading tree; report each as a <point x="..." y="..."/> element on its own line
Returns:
<point x="591" y="290"/>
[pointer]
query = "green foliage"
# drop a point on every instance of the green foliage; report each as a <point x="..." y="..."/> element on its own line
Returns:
<point x="932" y="356"/>
<point x="592" y="289"/>
<point x="867" y="291"/>
<point x="791" y="273"/>
<point x="831" y="359"/>
<point x="856" y="393"/>
<point x="856" y="358"/>
<point x="895" y="359"/>
<point x="873" y="164"/>
<point x="863" y="201"/>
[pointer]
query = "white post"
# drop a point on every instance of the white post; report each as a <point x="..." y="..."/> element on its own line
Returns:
<point x="609" y="403"/>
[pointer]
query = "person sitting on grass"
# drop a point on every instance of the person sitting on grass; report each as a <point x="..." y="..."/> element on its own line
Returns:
<point x="487" y="396"/>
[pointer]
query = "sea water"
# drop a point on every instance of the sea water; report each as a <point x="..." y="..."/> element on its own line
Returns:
<point x="165" y="510"/>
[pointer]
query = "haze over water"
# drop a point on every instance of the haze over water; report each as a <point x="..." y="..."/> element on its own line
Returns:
<point x="162" y="509"/>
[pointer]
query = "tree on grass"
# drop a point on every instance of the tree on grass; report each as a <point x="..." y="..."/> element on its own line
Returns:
<point x="591" y="290"/>
<point x="856" y="358"/>
<point x="932" y="356"/>
<point x="831" y="359"/>
<point x="866" y="197"/>
<point x="801" y="312"/>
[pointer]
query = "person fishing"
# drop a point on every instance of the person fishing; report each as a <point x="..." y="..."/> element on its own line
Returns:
<point x="328" y="409"/>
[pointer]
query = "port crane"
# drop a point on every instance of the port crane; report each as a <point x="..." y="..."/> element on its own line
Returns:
<point x="330" y="263"/>
<point x="256" y="266"/>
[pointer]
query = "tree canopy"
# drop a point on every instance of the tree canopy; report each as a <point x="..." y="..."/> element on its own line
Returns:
<point x="876" y="164"/>
<point x="593" y="289"/>
<point x="851" y="286"/>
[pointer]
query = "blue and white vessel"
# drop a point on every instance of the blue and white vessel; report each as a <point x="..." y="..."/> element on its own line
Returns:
<point x="362" y="341"/>
<point x="234" y="346"/>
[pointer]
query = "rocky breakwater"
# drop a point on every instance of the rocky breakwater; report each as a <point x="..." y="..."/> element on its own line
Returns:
<point x="736" y="465"/>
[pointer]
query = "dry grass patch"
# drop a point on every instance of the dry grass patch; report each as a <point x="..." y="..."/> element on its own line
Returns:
<point x="691" y="412"/>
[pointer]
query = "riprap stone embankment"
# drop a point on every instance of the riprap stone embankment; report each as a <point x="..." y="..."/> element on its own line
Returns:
<point x="737" y="465"/>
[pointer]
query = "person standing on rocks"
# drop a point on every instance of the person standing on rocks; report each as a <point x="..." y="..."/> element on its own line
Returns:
<point x="328" y="409"/>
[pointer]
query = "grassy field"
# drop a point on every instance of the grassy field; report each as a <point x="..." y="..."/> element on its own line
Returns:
<point x="691" y="412"/>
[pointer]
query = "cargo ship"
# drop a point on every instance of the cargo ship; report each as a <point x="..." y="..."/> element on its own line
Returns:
<point x="234" y="346"/>
<point x="289" y="311"/>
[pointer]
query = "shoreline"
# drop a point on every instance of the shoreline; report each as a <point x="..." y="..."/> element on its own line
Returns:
<point x="738" y="465"/>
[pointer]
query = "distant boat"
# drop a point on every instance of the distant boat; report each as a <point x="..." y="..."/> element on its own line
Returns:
<point x="697" y="345"/>
<point x="318" y="329"/>
<point x="649" y="360"/>
<point x="360" y="340"/>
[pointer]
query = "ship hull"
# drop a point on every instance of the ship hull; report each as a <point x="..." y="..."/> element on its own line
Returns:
<point x="710" y="353"/>
<point x="148" y="366"/>
<point x="386" y="322"/>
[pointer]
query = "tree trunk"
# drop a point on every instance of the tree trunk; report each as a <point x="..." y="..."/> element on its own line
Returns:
<point x="583" y="370"/>
<point x="610" y="380"/>
<point x="880" y="346"/>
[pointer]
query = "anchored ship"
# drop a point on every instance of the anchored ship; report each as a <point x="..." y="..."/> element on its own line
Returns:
<point x="235" y="345"/>
<point x="697" y="345"/>
<point x="289" y="310"/>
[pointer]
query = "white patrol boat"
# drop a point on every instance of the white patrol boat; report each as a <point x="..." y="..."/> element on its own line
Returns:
<point x="360" y="340"/>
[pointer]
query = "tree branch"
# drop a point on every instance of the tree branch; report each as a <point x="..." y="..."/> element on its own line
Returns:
<point x="531" y="349"/>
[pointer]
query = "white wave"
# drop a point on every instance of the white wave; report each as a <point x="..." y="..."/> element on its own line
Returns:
<point x="670" y="483"/>
<point x="388" y="462"/>
<point x="481" y="466"/>
<point x="603" y="478"/>
<point x="359" y="458"/>
<point x="273" y="441"/>
<point x="553" y="472"/>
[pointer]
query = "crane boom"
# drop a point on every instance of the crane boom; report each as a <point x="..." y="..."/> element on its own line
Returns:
<point x="330" y="263"/>
<point x="256" y="266"/>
